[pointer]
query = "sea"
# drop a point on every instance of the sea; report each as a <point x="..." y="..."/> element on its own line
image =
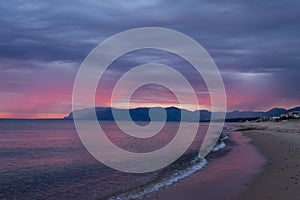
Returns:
<point x="45" y="159"/>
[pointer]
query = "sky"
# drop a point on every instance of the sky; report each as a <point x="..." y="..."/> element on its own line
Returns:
<point x="255" y="45"/>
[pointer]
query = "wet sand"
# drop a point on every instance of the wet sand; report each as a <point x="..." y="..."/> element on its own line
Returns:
<point x="224" y="177"/>
<point x="279" y="142"/>
<point x="244" y="174"/>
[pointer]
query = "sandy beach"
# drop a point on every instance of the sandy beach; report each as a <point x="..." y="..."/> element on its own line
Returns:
<point x="262" y="165"/>
<point x="280" y="144"/>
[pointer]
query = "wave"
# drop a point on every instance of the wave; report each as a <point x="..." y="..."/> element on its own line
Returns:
<point x="194" y="165"/>
<point x="198" y="163"/>
<point x="220" y="144"/>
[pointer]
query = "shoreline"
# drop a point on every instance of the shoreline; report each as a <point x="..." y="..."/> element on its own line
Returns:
<point x="276" y="173"/>
<point x="221" y="174"/>
<point x="194" y="165"/>
<point x="279" y="142"/>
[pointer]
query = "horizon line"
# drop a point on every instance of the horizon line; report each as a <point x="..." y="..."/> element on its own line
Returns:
<point x="63" y="118"/>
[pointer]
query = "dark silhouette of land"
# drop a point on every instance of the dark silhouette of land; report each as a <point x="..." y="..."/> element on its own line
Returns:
<point x="174" y="114"/>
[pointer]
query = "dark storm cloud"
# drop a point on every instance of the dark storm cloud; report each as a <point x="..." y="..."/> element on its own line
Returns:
<point x="248" y="40"/>
<point x="255" y="34"/>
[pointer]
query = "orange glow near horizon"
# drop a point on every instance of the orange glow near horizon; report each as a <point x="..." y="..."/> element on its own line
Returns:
<point x="25" y="115"/>
<point x="59" y="104"/>
<point x="45" y="100"/>
<point x="32" y="116"/>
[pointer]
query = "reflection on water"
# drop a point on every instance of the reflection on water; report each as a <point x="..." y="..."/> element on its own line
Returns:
<point x="45" y="159"/>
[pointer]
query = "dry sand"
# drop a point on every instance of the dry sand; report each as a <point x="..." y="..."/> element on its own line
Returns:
<point x="278" y="142"/>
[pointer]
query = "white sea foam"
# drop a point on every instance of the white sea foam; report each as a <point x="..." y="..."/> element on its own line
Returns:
<point x="198" y="163"/>
<point x="221" y="145"/>
<point x="225" y="137"/>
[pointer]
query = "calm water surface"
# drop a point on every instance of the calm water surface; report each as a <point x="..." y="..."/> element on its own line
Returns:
<point x="44" y="159"/>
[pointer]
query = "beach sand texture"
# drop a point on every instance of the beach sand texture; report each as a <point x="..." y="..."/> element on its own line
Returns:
<point x="278" y="178"/>
<point x="279" y="142"/>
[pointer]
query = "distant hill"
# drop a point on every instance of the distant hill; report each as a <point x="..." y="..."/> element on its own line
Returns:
<point x="172" y="113"/>
<point x="276" y="111"/>
<point x="138" y="114"/>
<point x="294" y="109"/>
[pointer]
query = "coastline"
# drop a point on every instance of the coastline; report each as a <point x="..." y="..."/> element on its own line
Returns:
<point x="224" y="177"/>
<point x="275" y="175"/>
<point x="279" y="142"/>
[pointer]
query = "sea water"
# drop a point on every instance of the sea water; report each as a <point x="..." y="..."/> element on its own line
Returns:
<point x="45" y="159"/>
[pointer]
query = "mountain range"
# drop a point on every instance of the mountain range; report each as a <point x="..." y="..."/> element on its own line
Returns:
<point x="172" y="114"/>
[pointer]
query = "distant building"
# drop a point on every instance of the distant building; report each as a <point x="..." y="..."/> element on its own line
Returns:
<point x="284" y="116"/>
<point x="295" y="114"/>
<point x="274" y="118"/>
